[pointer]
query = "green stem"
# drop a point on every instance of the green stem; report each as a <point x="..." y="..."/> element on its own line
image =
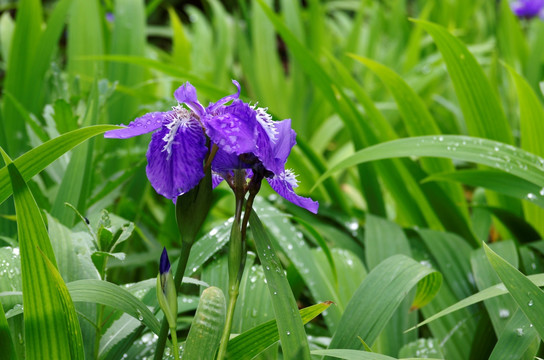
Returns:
<point x="175" y="343"/>
<point x="236" y="261"/>
<point x="178" y="277"/>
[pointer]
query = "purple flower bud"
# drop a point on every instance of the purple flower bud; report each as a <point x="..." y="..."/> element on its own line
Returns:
<point x="164" y="265"/>
<point x="528" y="8"/>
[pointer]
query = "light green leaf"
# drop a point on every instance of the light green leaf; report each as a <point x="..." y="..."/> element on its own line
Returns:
<point x="504" y="157"/>
<point x="527" y="295"/>
<point x="43" y="306"/>
<point x="207" y="326"/>
<point x="37" y="159"/>
<point x="6" y="342"/>
<point x="291" y="330"/>
<point x="481" y="108"/>
<point x="254" y="341"/>
<point x="390" y="282"/>
<point x="106" y="293"/>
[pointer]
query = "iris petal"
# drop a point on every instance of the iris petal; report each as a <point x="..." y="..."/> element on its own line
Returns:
<point x="142" y="125"/>
<point x="233" y="130"/>
<point x="186" y="94"/>
<point x="171" y="175"/>
<point x="284" y="188"/>
<point x="214" y="106"/>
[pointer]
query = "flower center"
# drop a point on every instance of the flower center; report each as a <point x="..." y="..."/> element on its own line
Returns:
<point x="290" y="177"/>
<point x="179" y="117"/>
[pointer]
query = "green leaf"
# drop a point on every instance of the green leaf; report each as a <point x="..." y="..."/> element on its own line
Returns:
<point x="390" y="282"/>
<point x="490" y="292"/>
<point x="291" y="330"/>
<point x="499" y="181"/>
<point x="254" y="341"/>
<point x="515" y="339"/>
<point x="480" y="105"/>
<point x="531" y="125"/>
<point x="6" y="342"/>
<point x="37" y="159"/>
<point x="207" y="326"/>
<point x="76" y="344"/>
<point x="527" y="295"/>
<point x="43" y="307"/>
<point x="501" y="156"/>
<point x="347" y="354"/>
<point x="106" y="293"/>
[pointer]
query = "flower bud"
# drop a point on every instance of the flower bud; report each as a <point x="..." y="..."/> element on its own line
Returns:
<point x="166" y="290"/>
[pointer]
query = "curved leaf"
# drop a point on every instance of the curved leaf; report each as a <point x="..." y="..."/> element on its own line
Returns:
<point x="501" y="156"/>
<point x="390" y="282"/>
<point x="37" y="159"/>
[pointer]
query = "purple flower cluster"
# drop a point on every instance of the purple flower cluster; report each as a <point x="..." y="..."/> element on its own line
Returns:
<point x="528" y="8"/>
<point x="246" y="138"/>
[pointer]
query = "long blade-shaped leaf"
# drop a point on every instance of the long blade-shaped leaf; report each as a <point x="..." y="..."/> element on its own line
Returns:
<point x="6" y="342"/>
<point x="482" y="151"/>
<point x="106" y="293"/>
<point x="293" y="337"/>
<point x="481" y="108"/>
<point x="390" y="282"/>
<point x="254" y="341"/>
<point x="46" y="331"/>
<point x="37" y="159"/>
<point x="527" y="295"/>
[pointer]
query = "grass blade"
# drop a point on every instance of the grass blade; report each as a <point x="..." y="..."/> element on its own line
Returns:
<point x="43" y="307"/>
<point x="37" y="159"/>
<point x="6" y="343"/>
<point x="518" y="162"/>
<point x="291" y="330"/>
<point x="527" y="295"/>
<point x="106" y="293"/>
<point x="254" y="341"/>
<point x="390" y="282"/>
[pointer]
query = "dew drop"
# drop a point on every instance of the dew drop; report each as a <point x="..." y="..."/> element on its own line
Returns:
<point x="530" y="303"/>
<point x="541" y="192"/>
<point x="288" y="333"/>
<point x="531" y="196"/>
<point x="519" y="331"/>
<point x="504" y="313"/>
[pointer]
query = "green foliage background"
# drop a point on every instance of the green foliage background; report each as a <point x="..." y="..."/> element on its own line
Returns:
<point x="421" y="139"/>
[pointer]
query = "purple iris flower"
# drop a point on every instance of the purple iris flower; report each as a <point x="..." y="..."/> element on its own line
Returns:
<point x="246" y="138"/>
<point x="528" y="8"/>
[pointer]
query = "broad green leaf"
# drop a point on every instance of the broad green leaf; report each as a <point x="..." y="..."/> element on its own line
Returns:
<point x="390" y="282"/>
<point x="481" y="108"/>
<point x="127" y="38"/>
<point x="37" y="159"/>
<point x="499" y="181"/>
<point x="181" y="46"/>
<point x="490" y="292"/>
<point x="500" y="309"/>
<point x="383" y="239"/>
<point x="72" y="323"/>
<point x="298" y="252"/>
<point x="452" y="257"/>
<point x="504" y="157"/>
<point x="26" y="36"/>
<point x="254" y="341"/>
<point x="531" y="125"/>
<point x="74" y="186"/>
<point x="348" y="354"/>
<point x="515" y="339"/>
<point x="106" y="293"/>
<point x="85" y="28"/>
<point x="527" y="295"/>
<point x="291" y="330"/>
<point x="44" y="311"/>
<point x="207" y="326"/>
<point x="6" y="342"/>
